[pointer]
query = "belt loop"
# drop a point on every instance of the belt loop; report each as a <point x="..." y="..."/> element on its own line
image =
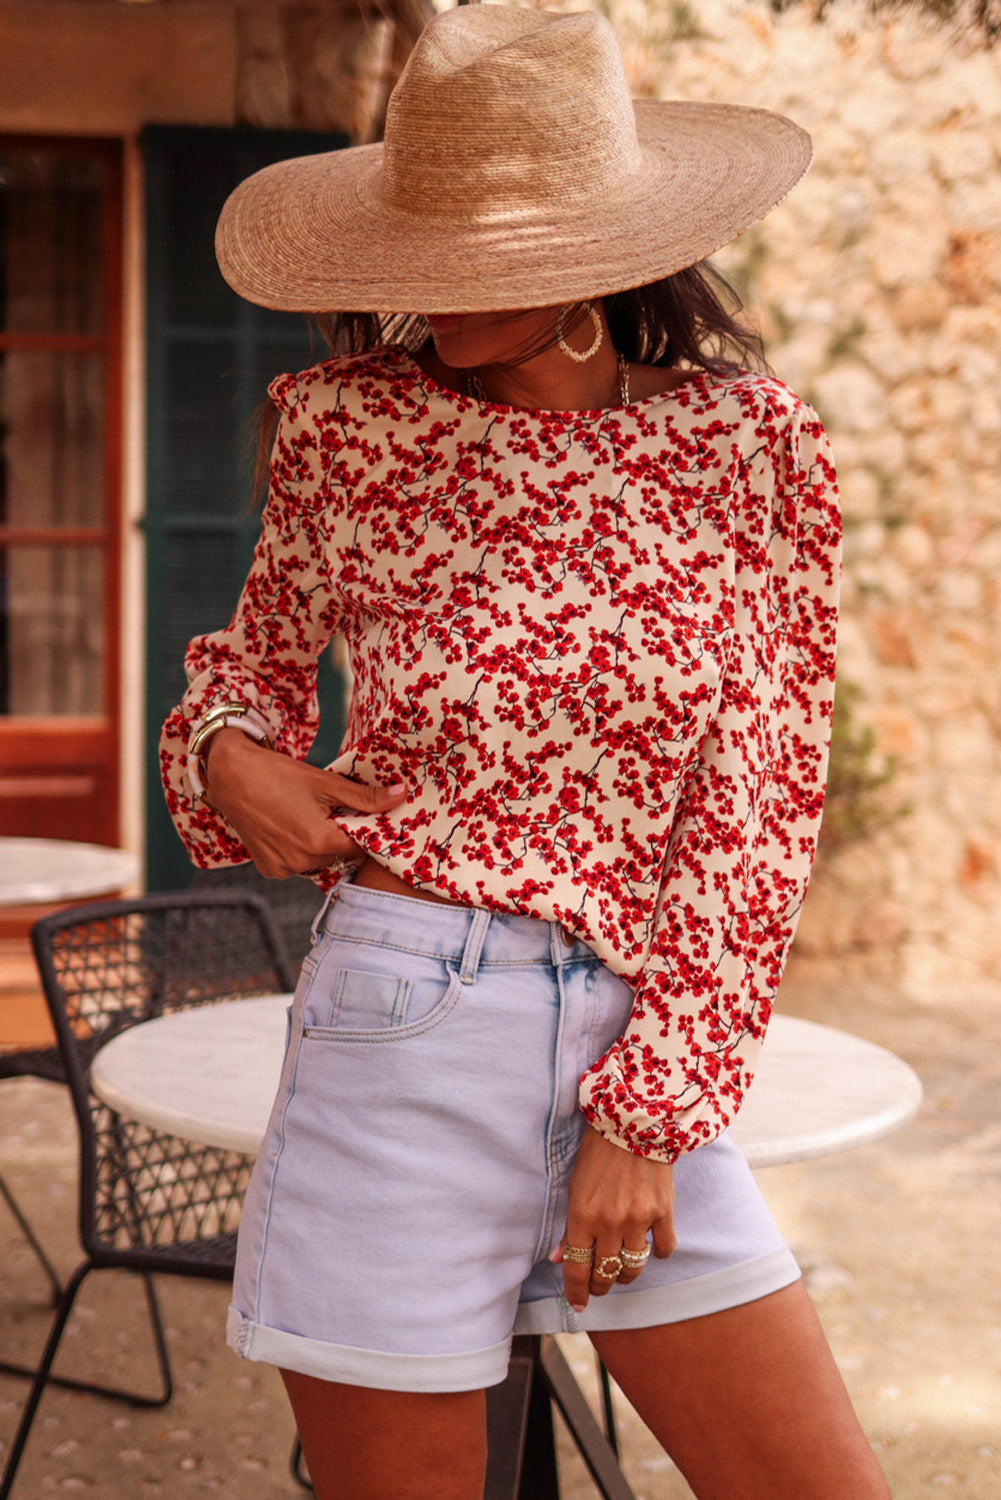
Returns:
<point x="475" y="939"/>
<point x="317" y="927"/>
<point x="561" y="943"/>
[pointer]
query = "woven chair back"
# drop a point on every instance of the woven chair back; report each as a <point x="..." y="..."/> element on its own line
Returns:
<point x="146" y="1194"/>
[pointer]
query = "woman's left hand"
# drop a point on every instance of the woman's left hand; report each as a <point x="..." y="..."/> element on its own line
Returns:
<point x="615" y="1199"/>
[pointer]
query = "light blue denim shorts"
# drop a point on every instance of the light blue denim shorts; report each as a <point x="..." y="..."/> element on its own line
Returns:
<point x="412" y="1181"/>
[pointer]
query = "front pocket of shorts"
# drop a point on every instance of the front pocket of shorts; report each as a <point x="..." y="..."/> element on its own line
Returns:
<point x="377" y="1004"/>
<point x="368" y="1002"/>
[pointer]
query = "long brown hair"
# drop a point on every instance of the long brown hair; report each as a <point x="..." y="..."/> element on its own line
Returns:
<point x="692" y="318"/>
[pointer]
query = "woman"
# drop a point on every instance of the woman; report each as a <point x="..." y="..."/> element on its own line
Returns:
<point x="587" y="573"/>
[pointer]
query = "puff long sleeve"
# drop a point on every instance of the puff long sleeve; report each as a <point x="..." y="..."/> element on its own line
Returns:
<point x="266" y="657"/>
<point x="742" y="843"/>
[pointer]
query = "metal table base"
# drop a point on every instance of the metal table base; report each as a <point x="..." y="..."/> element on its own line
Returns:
<point x="521" y="1446"/>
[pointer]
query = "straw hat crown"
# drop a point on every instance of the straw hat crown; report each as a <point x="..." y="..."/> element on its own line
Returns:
<point x="484" y="114"/>
<point x="516" y="172"/>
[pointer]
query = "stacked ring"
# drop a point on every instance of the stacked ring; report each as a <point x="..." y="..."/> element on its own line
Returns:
<point x="634" y="1260"/>
<point x="601" y="1267"/>
<point x="578" y="1255"/>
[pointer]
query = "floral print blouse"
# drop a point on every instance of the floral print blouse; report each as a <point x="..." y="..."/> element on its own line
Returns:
<point x="598" y="647"/>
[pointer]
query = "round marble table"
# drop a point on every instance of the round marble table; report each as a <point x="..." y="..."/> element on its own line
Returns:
<point x="209" y="1075"/>
<point x="35" y="872"/>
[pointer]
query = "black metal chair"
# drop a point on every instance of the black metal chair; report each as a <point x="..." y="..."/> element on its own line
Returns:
<point x="293" y="902"/>
<point x="148" y="1201"/>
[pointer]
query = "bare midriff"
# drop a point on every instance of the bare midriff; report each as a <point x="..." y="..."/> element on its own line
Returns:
<point x="377" y="878"/>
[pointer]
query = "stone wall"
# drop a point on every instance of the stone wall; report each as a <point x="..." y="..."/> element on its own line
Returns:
<point x="876" y="284"/>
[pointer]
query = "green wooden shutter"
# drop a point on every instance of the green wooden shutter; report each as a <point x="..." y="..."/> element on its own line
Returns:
<point x="210" y="357"/>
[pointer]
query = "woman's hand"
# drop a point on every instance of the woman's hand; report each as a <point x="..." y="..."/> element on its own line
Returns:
<point x="281" y="808"/>
<point x="615" y="1198"/>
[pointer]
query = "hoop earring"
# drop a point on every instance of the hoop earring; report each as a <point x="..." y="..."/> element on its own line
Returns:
<point x="580" y="357"/>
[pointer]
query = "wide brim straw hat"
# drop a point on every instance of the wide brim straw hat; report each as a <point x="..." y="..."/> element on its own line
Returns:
<point x="516" y="171"/>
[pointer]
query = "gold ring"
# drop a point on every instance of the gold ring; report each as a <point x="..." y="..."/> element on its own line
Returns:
<point x="600" y="1267"/>
<point x="578" y="1255"/>
<point x="634" y="1260"/>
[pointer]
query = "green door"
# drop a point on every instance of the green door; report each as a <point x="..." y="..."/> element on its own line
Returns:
<point x="210" y="359"/>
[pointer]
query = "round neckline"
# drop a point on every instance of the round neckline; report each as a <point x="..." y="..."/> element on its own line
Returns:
<point x="694" y="378"/>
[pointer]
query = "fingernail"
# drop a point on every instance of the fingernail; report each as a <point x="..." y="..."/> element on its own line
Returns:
<point x="398" y="789"/>
<point x="579" y="1308"/>
<point x="556" y="1254"/>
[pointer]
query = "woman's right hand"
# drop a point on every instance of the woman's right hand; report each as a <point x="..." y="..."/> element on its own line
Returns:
<point x="281" y="808"/>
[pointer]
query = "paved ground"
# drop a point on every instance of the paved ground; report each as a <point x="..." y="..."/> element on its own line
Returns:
<point x="899" y="1240"/>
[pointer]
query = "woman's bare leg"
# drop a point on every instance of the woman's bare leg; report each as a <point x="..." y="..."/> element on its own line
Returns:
<point x="366" y="1445"/>
<point x="748" y="1402"/>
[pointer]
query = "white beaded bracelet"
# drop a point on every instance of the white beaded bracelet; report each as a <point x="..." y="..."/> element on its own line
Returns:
<point x="224" y="716"/>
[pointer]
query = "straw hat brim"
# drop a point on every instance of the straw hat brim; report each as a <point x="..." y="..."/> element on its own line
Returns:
<point x="313" y="234"/>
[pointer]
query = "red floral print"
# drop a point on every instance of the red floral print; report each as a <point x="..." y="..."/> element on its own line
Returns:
<point x="598" y="647"/>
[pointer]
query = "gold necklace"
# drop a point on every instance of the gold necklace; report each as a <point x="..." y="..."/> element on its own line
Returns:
<point x="623" y="368"/>
<point x="474" y="386"/>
